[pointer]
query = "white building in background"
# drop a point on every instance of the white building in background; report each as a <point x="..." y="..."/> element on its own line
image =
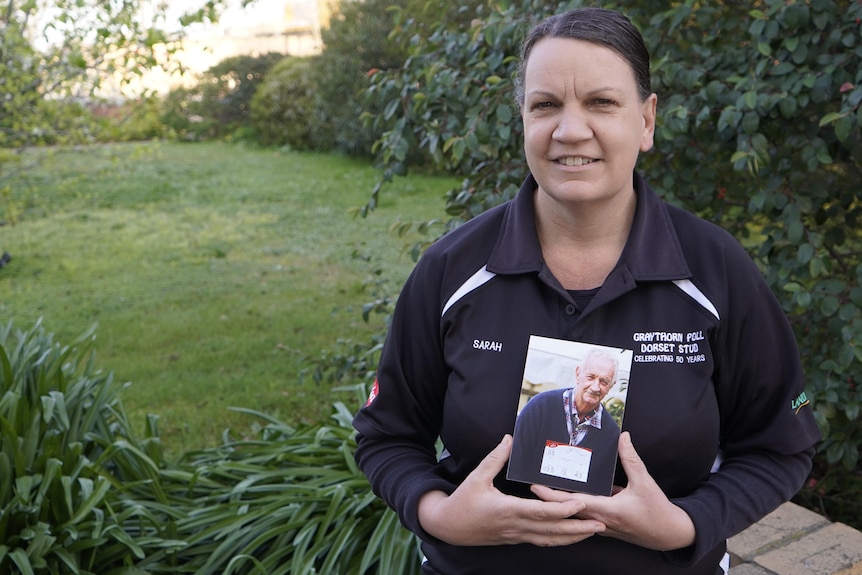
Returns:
<point x="290" y="27"/>
<point x="286" y="26"/>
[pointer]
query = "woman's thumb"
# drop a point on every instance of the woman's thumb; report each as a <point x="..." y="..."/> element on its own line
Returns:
<point x="494" y="462"/>
<point x="632" y="463"/>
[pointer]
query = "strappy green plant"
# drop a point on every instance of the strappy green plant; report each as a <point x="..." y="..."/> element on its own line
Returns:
<point x="80" y="493"/>
<point x="63" y="448"/>
<point x="289" y="501"/>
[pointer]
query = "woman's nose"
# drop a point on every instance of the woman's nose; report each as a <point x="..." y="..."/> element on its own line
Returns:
<point x="572" y="125"/>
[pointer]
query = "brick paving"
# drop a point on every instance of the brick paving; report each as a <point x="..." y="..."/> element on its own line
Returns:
<point x="795" y="541"/>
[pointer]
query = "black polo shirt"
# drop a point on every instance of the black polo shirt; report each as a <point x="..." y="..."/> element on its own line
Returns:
<point x="716" y="377"/>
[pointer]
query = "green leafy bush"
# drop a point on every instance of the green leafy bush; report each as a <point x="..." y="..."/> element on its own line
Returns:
<point x="65" y="122"/>
<point x="228" y="88"/>
<point x="181" y="112"/>
<point x="356" y="44"/>
<point x="762" y="133"/>
<point x="454" y="103"/>
<point x="219" y="105"/>
<point x="130" y="121"/>
<point x="284" y="108"/>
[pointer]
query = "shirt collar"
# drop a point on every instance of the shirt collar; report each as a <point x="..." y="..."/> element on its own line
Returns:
<point x="652" y="251"/>
<point x="594" y="419"/>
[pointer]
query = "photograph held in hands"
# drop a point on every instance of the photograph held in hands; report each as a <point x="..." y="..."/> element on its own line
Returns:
<point x="573" y="398"/>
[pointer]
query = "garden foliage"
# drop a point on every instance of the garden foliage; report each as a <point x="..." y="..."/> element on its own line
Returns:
<point x="79" y="493"/>
<point x="759" y="131"/>
<point x="63" y="460"/>
<point x="63" y="59"/>
<point x="283" y="104"/>
<point x="318" y="103"/>
<point x="59" y="57"/>
<point x="228" y="87"/>
<point x="219" y="105"/>
<point x="355" y="46"/>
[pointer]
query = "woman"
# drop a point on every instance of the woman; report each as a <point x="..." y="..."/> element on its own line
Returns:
<point x="587" y="252"/>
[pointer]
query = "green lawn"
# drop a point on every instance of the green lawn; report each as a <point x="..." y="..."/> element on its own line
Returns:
<point x="213" y="271"/>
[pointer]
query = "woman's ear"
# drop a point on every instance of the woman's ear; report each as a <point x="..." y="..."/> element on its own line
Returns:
<point x="649" y="113"/>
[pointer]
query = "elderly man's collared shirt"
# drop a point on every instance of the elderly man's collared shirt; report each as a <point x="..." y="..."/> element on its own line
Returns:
<point x="578" y="429"/>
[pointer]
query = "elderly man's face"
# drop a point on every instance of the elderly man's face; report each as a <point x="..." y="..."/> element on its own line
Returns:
<point x="593" y="380"/>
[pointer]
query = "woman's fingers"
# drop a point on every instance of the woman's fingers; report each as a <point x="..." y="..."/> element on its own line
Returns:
<point x="477" y="513"/>
<point x="640" y="513"/>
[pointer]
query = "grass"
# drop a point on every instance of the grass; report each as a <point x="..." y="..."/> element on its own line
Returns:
<point x="214" y="271"/>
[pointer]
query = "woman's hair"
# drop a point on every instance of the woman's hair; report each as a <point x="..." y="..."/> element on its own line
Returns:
<point x="607" y="28"/>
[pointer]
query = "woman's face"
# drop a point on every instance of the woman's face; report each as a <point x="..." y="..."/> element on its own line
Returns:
<point x="584" y="123"/>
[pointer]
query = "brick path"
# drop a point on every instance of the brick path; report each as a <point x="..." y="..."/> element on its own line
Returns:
<point x="795" y="541"/>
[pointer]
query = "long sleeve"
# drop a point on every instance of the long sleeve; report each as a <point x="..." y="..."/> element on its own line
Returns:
<point x="767" y="434"/>
<point x="398" y="428"/>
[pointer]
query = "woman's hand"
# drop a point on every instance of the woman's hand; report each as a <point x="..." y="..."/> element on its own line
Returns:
<point x="640" y="513"/>
<point x="477" y="513"/>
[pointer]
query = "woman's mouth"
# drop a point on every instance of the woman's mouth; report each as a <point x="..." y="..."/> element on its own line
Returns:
<point x="576" y="161"/>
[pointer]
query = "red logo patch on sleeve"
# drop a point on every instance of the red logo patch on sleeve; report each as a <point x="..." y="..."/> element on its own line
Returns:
<point x="375" y="389"/>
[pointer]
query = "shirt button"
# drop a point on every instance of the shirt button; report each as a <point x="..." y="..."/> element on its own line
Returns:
<point x="571" y="309"/>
